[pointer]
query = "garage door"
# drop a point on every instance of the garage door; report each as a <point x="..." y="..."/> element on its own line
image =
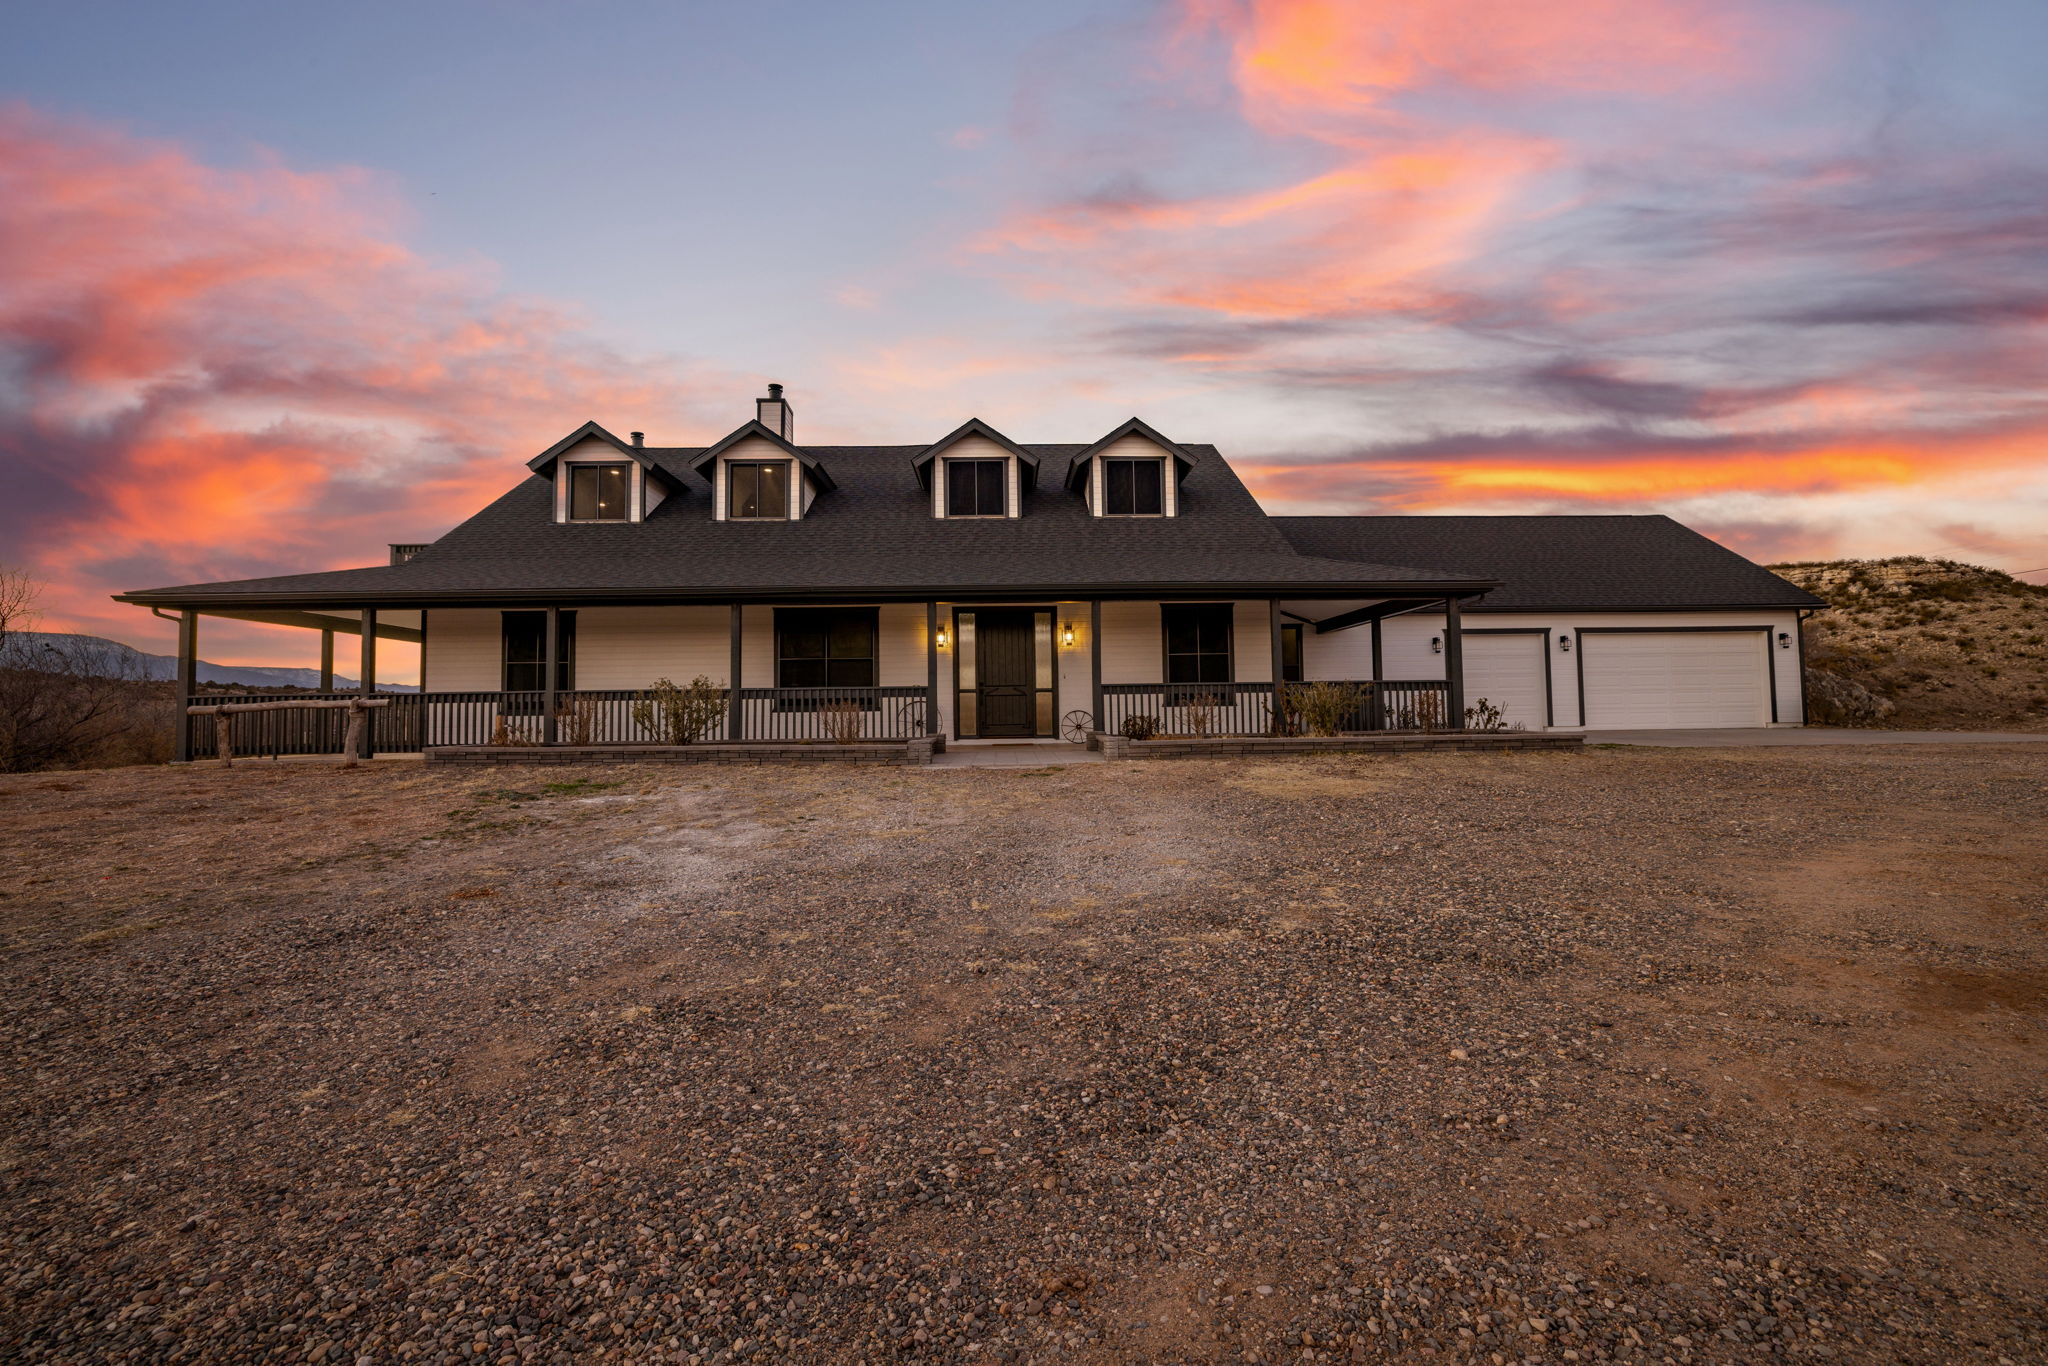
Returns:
<point x="1508" y="672"/>
<point x="1675" y="679"/>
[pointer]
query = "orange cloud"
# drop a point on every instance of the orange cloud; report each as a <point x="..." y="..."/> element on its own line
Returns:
<point x="1408" y="198"/>
<point x="1606" y="468"/>
<point x="215" y="373"/>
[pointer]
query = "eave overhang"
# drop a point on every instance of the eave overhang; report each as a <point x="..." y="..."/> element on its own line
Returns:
<point x="1027" y="463"/>
<point x="1409" y="590"/>
<point x="707" y="458"/>
<point x="544" y="463"/>
<point x="1077" y="470"/>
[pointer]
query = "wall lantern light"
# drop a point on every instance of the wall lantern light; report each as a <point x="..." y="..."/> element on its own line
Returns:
<point x="1784" y="640"/>
<point x="1067" y="635"/>
<point x="1436" y="645"/>
<point x="942" y="637"/>
<point x="1564" y="644"/>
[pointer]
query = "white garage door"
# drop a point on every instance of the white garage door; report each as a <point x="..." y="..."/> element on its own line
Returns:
<point x="1508" y="672"/>
<point x="1675" y="679"/>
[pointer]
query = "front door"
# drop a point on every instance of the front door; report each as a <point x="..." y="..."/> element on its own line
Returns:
<point x="1006" y="673"/>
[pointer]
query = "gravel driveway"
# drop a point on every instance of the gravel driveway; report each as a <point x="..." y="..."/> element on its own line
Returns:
<point x="1623" y="1055"/>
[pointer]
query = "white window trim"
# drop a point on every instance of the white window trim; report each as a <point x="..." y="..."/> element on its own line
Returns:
<point x="636" y="493"/>
<point x="1169" y="489"/>
<point x="1013" y="489"/>
<point x="797" y="484"/>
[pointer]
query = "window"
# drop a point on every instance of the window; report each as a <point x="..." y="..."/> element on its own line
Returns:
<point x="757" y="489"/>
<point x="974" y="488"/>
<point x="526" y="635"/>
<point x="825" y="647"/>
<point x="598" y="493"/>
<point x="1197" y="642"/>
<point x="1134" y="488"/>
<point x="1290" y="654"/>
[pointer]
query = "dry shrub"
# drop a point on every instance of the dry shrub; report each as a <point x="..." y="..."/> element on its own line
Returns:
<point x="1202" y="713"/>
<point x="679" y="716"/>
<point x="1324" y="708"/>
<point x="1140" y="727"/>
<point x="843" y="721"/>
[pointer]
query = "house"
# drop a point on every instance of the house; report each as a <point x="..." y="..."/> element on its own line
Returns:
<point x="981" y="589"/>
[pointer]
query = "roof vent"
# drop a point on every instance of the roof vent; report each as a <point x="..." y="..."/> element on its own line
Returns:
<point x="639" y="438"/>
<point x="773" y="412"/>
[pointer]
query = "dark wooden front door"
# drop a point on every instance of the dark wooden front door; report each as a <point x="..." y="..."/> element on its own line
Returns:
<point x="1006" y="670"/>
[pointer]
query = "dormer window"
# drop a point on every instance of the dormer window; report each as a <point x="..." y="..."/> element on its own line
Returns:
<point x="600" y="493"/>
<point x="1134" y="488"/>
<point x="757" y="490"/>
<point x="977" y="488"/>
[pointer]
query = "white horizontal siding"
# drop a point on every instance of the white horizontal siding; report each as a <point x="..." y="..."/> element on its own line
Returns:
<point x="631" y="647"/>
<point x="1251" y="638"/>
<point x="901" y="645"/>
<point x="1131" y="644"/>
<point x="465" y="650"/>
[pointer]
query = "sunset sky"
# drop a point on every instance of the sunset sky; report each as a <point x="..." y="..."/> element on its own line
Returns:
<point x="280" y="283"/>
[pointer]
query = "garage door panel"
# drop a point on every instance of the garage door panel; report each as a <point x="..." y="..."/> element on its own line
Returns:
<point x="1675" y="679"/>
<point x="1508" y="671"/>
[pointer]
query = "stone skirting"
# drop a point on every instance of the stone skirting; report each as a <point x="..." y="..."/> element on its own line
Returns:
<point x="912" y="752"/>
<point x="1246" y="746"/>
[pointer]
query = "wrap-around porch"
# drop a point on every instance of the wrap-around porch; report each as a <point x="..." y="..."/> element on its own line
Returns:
<point x="964" y="671"/>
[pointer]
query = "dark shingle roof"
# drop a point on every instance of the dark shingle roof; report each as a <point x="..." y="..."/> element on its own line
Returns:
<point x="873" y="534"/>
<point x="1574" y="562"/>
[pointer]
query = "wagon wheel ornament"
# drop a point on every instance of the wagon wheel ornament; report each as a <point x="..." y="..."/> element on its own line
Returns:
<point x="910" y="718"/>
<point x="1077" y="725"/>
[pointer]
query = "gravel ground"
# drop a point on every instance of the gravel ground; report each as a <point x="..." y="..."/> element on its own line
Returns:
<point x="1622" y="1055"/>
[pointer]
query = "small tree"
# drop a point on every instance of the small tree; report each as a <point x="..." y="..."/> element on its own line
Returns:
<point x="679" y="716"/>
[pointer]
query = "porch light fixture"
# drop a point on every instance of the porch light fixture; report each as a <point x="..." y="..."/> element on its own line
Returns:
<point x="1784" y="640"/>
<point x="1067" y="635"/>
<point x="1436" y="645"/>
<point x="1564" y="644"/>
<point x="942" y="638"/>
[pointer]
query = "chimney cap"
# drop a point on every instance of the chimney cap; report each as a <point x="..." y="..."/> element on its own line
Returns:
<point x="775" y="391"/>
<point x="639" y="438"/>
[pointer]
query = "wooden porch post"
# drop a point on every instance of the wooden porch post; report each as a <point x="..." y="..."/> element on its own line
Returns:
<point x="931" y="660"/>
<point x="1095" y="655"/>
<point x="551" y="678"/>
<point x="1454" y="663"/>
<point x="1377" y="670"/>
<point x="1279" y="668"/>
<point x="735" y="713"/>
<point x="367" y="684"/>
<point x="188" y="679"/>
<point x="326" y="661"/>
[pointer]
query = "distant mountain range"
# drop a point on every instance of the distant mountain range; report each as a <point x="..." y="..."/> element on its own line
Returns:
<point x="125" y="661"/>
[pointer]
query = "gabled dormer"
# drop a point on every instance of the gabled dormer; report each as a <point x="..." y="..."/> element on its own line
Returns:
<point x="976" y="472"/>
<point x="599" y="478"/>
<point x="757" y="474"/>
<point x="1132" y="472"/>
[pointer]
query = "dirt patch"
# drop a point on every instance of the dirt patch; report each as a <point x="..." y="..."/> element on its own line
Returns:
<point x="1708" y="1056"/>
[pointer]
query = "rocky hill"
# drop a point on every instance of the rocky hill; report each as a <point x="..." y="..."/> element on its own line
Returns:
<point x="1912" y="642"/>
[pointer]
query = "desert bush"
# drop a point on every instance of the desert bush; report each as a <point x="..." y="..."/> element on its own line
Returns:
<point x="576" y="723"/>
<point x="843" y="721"/>
<point x="1202" y="710"/>
<point x="1429" y="711"/>
<point x="679" y="715"/>
<point x="1483" y="715"/>
<point x="1324" y="707"/>
<point x="1140" y="727"/>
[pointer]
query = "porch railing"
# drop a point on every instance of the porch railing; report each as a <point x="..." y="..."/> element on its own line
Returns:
<point x="414" y="721"/>
<point x="1247" y="708"/>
